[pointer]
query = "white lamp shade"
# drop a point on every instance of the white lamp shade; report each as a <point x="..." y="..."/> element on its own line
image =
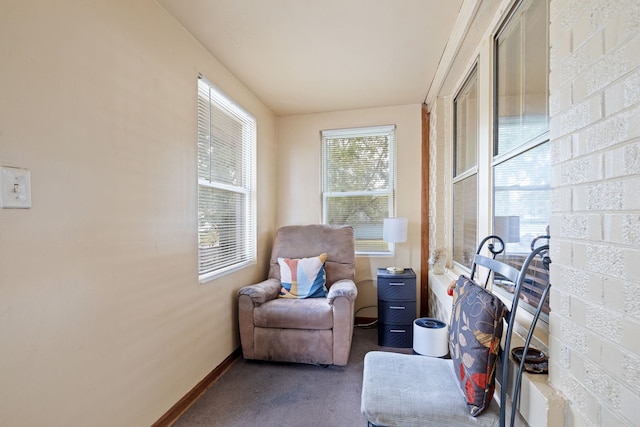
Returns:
<point x="394" y="230"/>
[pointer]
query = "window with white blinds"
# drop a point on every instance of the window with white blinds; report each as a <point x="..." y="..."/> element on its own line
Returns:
<point x="226" y="183"/>
<point x="358" y="182"/>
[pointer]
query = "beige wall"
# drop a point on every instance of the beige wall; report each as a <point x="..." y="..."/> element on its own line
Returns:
<point x="299" y="181"/>
<point x="102" y="318"/>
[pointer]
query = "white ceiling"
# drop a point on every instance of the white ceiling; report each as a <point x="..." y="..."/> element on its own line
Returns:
<point x="309" y="56"/>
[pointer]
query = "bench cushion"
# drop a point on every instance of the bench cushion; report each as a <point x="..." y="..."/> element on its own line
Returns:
<point x="412" y="390"/>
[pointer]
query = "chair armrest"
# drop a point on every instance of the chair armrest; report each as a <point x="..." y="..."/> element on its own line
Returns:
<point x="262" y="292"/>
<point x="342" y="288"/>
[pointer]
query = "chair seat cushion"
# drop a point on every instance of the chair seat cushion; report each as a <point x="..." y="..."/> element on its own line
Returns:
<point x="309" y="313"/>
<point x="412" y="390"/>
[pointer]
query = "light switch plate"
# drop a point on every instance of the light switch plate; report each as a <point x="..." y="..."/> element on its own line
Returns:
<point x="15" y="188"/>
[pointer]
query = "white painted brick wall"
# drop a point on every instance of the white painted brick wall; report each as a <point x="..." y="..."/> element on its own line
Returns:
<point x="438" y="172"/>
<point x="595" y="130"/>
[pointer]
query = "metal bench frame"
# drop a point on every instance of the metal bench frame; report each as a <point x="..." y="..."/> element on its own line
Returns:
<point x="518" y="278"/>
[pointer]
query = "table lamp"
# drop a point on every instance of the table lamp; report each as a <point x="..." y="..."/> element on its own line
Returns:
<point x="394" y="230"/>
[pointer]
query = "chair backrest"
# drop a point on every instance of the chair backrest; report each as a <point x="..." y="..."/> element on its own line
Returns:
<point x="538" y="255"/>
<point x="305" y="241"/>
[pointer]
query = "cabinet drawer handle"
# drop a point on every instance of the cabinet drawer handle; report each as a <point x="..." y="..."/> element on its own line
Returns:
<point x="397" y="330"/>
<point x="396" y="284"/>
<point x="396" y="307"/>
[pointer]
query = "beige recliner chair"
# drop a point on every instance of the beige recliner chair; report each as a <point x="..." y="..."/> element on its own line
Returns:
<point x="310" y="330"/>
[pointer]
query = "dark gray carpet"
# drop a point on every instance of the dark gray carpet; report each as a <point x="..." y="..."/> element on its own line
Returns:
<point x="268" y="394"/>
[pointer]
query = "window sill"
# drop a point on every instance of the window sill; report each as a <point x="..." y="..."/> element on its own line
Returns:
<point x="208" y="277"/>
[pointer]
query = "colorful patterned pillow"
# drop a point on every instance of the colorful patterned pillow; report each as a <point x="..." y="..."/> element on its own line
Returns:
<point x="303" y="278"/>
<point x="474" y="341"/>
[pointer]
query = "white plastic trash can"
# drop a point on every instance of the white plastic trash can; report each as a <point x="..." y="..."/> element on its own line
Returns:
<point x="430" y="337"/>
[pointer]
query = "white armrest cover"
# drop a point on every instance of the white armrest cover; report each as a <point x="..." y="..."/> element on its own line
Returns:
<point x="342" y="288"/>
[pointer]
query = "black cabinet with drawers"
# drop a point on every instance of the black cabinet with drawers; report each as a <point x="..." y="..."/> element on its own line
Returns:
<point x="396" y="308"/>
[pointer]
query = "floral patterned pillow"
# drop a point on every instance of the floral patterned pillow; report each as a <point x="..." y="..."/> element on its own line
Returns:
<point x="474" y="341"/>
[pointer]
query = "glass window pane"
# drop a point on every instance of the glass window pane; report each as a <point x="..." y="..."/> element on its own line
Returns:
<point x="466" y="123"/>
<point x="522" y="78"/>
<point x="535" y="114"/>
<point x="226" y="161"/>
<point x="522" y="204"/>
<point x="465" y="220"/>
<point x="222" y="223"/>
<point x="357" y="164"/>
<point x="509" y="88"/>
<point x="357" y="209"/>
<point x="522" y="194"/>
<point x="365" y="214"/>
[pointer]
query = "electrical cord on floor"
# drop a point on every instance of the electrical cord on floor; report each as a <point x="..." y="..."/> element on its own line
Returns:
<point x="364" y="325"/>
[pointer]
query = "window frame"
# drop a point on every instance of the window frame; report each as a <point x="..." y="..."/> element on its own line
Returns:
<point x="485" y="63"/>
<point x="512" y="21"/>
<point x="471" y="172"/>
<point x="242" y="249"/>
<point x="389" y="131"/>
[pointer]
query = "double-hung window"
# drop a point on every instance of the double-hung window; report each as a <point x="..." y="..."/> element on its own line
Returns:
<point x="465" y="171"/>
<point x="226" y="183"/>
<point x="521" y="150"/>
<point x="358" y="182"/>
